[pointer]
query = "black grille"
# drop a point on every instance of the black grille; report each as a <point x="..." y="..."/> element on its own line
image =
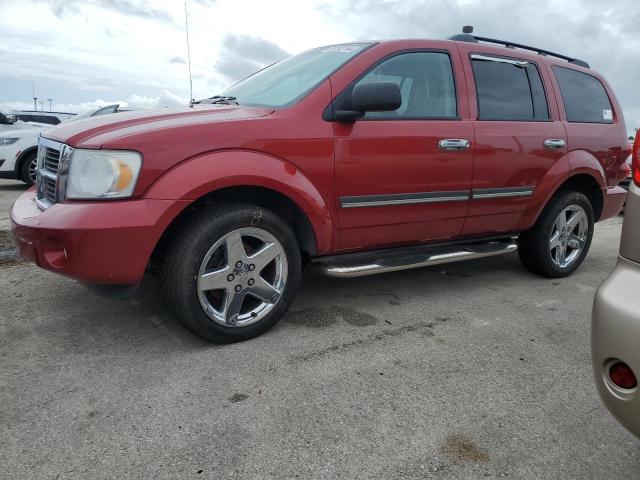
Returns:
<point x="51" y="159"/>
<point x="49" y="189"/>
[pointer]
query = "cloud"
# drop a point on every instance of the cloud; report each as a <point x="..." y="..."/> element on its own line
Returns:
<point x="165" y="99"/>
<point x="136" y="46"/>
<point x="137" y="8"/>
<point x="242" y="55"/>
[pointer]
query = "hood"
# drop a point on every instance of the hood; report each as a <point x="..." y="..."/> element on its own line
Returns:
<point x="21" y="132"/>
<point x="94" y="132"/>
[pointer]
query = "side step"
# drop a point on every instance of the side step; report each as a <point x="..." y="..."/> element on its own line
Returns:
<point x="391" y="260"/>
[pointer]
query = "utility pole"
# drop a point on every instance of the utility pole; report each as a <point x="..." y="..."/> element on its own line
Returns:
<point x="50" y="100"/>
<point x="35" y="99"/>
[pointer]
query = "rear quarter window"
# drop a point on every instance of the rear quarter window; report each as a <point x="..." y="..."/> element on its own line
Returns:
<point x="585" y="98"/>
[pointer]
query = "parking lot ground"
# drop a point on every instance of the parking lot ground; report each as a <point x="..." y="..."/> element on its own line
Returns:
<point x="470" y="370"/>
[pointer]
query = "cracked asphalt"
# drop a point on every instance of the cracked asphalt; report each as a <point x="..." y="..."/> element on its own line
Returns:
<point x="464" y="371"/>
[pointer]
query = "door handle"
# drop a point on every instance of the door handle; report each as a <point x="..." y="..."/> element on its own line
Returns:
<point x="554" y="143"/>
<point x="454" y="144"/>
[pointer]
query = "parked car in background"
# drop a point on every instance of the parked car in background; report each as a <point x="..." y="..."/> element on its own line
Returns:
<point x="10" y="122"/>
<point x="48" y="118"/>
<point x="18" y="148"/>
<point x="615" y="330"/>
<point x="359" y="158"/>
<point x="627" y="181"/>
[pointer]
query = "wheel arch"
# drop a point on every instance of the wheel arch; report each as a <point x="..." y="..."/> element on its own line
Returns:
<point x="233" y="176"/>
<point x="578" y="170"/>
<point x="22" y="157"/>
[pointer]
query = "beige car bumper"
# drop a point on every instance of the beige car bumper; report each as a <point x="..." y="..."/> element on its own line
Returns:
<point x="615" y="336"/>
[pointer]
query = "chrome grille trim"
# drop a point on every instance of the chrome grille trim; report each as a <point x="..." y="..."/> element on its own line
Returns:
<point x="53" y="159"/>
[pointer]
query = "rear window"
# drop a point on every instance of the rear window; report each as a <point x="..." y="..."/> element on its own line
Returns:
<point x="508" y="90"/>
<point x="584" y="97"/>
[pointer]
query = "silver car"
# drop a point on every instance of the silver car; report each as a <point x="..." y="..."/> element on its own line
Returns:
<point x="615" y="327"/>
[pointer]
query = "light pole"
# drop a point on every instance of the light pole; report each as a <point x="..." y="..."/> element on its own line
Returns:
<point x="50" y="100"/>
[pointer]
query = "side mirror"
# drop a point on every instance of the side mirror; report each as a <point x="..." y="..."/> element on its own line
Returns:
<point x="376" y="97"/>
<point x="370" y="97"/>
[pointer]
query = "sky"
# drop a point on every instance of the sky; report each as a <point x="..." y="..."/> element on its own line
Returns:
<point x="88" y="53"/>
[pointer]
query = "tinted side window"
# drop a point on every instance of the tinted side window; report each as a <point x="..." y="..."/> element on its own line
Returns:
<point x="39" y="118"/>
<point x="49" y="120"/>
<point x="509" y="90"/>
<point x="585" y="99"/>
<point x="426" y="84"/>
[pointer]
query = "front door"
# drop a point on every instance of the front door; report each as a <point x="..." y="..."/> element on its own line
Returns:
<point x="404" y="177"/>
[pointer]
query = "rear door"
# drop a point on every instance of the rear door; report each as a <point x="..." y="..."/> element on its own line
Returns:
<point x="518" y="138"/>
<point x="396" y="183"/>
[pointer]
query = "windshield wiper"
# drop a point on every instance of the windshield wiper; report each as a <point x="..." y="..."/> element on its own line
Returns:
<point x="219" y="99"/>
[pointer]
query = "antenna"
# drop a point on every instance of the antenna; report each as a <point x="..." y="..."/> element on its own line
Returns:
<point x="186" y="24"/>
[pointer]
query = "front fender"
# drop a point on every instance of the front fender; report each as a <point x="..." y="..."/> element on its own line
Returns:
<point x="573" y="163"/>
<point x="198" y="176"/>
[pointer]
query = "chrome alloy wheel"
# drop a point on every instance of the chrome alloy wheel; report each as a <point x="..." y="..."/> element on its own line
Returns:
<point x="568" y="236"/>
<point x="242" y="277"/>
<point x="33" y="168"/>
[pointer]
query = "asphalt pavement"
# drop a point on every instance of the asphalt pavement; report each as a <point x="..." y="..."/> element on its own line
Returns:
<point x="463" y="371"/>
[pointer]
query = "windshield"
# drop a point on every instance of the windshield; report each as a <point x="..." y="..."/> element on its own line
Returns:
<point x="80" y="116"/>
<point x="285" y="82"/>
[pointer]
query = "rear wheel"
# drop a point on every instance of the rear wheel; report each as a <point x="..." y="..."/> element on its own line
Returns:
<point x="560" y="240"/>
<point x="28" y="169"/>
<point x="231" y="273"/>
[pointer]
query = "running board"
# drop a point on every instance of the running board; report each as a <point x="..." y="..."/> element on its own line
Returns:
<point x="383" y="261"/>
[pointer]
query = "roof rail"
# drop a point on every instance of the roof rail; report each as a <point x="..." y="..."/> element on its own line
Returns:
<point x="466" y="36"/>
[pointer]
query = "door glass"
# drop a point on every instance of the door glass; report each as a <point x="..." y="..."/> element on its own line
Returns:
<point x="426" y="84"/>
<point x="509" y="90"/>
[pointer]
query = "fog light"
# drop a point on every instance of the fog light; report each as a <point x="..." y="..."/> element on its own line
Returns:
<point x="622" y="376"/>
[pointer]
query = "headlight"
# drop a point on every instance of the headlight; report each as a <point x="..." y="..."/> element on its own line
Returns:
<point x="95" y="174"/>
<point x="8" y="141"/>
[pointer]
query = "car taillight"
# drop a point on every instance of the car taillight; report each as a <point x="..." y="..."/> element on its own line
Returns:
<point x="621" y="375"/>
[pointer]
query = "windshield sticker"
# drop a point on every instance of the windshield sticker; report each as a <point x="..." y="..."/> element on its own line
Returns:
<point x="607" y="114"/>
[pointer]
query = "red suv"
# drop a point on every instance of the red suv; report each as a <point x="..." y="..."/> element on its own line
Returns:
<point x="357" y="158"/>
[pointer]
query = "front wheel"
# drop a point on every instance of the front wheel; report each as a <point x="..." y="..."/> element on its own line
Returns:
<point x="559" y="241"/>
<point x="28" y="169"/>
<point x="231" y="272"/>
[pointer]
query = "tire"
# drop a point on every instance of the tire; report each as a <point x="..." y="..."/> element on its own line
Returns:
<point x="27" y="169"/>
<point x="204" y="266"/>
<point x="540" y="247"/>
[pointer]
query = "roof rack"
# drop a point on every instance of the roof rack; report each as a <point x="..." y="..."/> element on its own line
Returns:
<point x="466" y="36"/>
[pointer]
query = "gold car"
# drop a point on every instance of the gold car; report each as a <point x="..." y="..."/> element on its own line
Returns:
<point x="615" y="328"/>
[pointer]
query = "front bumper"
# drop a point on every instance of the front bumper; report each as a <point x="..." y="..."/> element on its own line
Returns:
<point x="613" y="201"/>
<point x="615" y="335"/>
<point x="108" y="242"/>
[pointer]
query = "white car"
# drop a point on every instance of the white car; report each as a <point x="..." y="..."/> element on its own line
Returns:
<point x="38" y="116"/>
<point x="10" y="122"/>
<point x="19" y="148"/>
